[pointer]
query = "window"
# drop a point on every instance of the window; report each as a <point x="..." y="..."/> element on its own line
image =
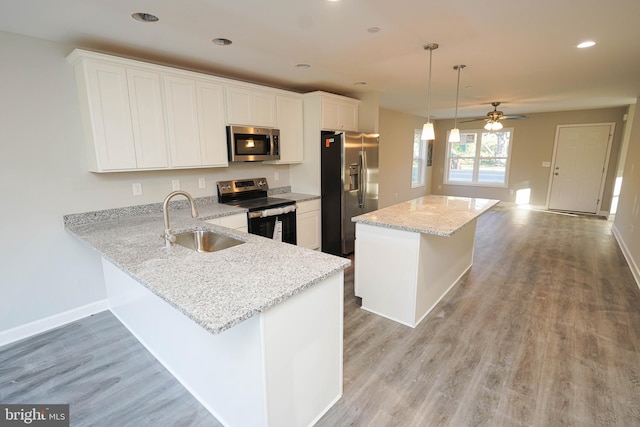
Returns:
<point x="480" y="158"/>
<point x="419" y="159"/>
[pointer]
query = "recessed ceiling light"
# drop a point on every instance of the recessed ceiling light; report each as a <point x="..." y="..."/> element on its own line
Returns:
<point x="373" y="30"/>
<point x="145" y="17"/>
<point x="303" y="66"/>
<point x="588" y="43"/>
<point x="221" y="41"/>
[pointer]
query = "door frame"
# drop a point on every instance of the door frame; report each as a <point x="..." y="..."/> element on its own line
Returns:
<point x="612" y="127"/>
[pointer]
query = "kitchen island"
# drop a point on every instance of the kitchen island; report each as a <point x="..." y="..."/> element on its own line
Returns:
<point x="253" y="331"/>
<point x="408" y="256"/>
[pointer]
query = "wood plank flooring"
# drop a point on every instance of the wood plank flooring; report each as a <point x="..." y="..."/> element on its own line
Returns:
<point x="544" y="330"/>
<point x="106" y="376"/>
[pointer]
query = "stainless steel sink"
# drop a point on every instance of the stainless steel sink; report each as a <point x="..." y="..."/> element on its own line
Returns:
<point x="206" y="241"/>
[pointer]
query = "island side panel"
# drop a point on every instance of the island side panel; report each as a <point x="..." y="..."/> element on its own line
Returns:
<point x="303" y="339"/>
<point x="442" y="262"/>
<point x="386" y="269"/>
<point x="225" y="372"/>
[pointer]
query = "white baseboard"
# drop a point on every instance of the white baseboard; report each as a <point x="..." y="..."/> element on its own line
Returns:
<point x="43" y="325"/>
<point x="627" y="255"/>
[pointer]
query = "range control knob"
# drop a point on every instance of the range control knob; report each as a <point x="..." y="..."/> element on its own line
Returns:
<point x="261" y="183"/>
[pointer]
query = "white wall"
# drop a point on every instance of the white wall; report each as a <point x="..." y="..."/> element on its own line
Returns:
<point x="396" y="157"/>
<point x="43" y="270"/>
<point x="626" y="226"/>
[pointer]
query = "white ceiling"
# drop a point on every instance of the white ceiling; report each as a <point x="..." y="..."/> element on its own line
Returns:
<point x="520" y="53"/>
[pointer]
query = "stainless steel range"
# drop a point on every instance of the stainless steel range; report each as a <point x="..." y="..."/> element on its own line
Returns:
<point x="270" y="217"/>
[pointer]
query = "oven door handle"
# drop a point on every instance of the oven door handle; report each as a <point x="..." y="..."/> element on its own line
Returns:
<point x="273" y="212"/>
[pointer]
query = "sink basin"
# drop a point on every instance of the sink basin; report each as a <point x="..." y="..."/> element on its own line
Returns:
<point x="206" y="241"/>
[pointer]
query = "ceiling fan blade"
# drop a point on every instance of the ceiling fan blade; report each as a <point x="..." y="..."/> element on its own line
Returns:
<point x="472" y="120"/>
<point x="514" y="117"/>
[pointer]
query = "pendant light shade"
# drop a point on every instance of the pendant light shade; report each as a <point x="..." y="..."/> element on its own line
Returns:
<point x="454" y="135"/>
<point x="427" y="130"/>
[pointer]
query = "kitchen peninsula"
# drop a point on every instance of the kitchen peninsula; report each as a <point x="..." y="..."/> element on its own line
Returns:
<point x="408" y="256"/>
<point x="253" y="331"/>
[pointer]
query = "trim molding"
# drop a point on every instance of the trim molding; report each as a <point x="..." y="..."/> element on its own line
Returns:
<point x="635" y="271"/>
<point x="47" y="323"/>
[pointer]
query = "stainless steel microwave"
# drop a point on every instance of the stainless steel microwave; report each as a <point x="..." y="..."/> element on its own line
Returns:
<point x="252" y="144"/>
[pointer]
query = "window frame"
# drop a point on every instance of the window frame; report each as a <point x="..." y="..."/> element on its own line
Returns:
<point x="477" y="158"/>
<point x="422" y="160"/>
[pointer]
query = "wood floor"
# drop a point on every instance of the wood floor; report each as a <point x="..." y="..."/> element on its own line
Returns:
<point x="105" y="375"/>
<point x="544" y="330"/>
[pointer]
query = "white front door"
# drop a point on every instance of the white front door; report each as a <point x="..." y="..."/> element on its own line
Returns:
<point x="579" y="167"/>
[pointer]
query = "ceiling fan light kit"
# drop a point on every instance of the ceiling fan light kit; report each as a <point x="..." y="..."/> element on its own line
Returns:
<point x="428" y="132"/>
<point x="454" y="134"/>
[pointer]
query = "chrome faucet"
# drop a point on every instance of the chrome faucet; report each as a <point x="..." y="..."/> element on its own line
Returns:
<point x="169" y="237"/>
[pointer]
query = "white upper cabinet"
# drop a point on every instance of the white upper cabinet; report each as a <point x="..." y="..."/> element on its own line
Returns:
<point x="147" y="118"/>
<point x="291" y="124"/>
<point x="195" y="122"/>
<point x="213" y="136"/>
<point x="250" y="107"/>
<point x="106" y="116"/>
<point x="339" y="114"/>
<point x="140" y="116"/>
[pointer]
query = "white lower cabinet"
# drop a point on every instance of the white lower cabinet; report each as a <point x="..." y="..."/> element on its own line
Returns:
<point x="308" y="224"/>
<point x="236" y="222"/>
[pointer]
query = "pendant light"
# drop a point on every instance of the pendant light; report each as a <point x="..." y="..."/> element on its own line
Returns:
<point x="454" y="135"/>
<point x="427" y="130"/>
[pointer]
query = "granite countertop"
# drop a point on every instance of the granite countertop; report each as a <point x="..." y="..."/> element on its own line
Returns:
<point x="438" y="215"/>
<point x="217" y="290"/>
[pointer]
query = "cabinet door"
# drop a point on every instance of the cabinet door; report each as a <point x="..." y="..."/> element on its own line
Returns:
<point x="330" y="114"/>
<point x="182" y="121"/>
<point x="337" y="115"/>
<point x="212" y="127"/>
<point x="348" y="116"/>
<point x="290" y="123"/>
<point x="308" y="224"/>
<point x="250" y="108"/>
<point x="264" y="109"/>
<point x="238" y="106"/>
<point x="109" y="116"/>
<point x="147" y="116"/>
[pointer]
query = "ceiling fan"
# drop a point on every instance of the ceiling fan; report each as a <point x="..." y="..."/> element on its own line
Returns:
<point x="494" y="118"/>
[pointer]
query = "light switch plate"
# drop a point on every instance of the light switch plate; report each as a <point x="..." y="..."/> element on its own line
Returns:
<point x="137" y="189"/>
<point x="202" y="183"/>
<point x="546" y="164"/>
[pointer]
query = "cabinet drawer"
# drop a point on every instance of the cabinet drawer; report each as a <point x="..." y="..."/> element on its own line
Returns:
<point x="308" y="206"/>
<point x="237" y="221"/>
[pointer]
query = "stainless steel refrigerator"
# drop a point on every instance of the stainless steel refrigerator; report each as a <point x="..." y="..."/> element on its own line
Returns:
<point x="349" y="186"/>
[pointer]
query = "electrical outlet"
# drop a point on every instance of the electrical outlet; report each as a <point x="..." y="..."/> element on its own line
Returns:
<point x="276" y="176"/>
<point x="202" y="183"/>
<point x="137" y="189"/>
<point x="511" y="192"/>
<point x="175" y="183"/>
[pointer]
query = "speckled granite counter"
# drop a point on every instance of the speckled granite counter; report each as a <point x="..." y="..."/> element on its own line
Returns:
<point x="437" y="215"/>
<point x="217" y="290"/>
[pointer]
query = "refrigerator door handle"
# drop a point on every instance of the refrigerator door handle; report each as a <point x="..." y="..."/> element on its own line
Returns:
<point x="362" y="191"/>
